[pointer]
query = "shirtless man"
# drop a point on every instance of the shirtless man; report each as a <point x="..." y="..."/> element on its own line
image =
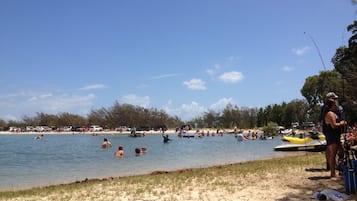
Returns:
<point x="120" y="151"/>
<point x="106" y="144"/>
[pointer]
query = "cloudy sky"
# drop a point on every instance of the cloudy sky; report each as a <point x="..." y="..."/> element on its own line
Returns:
<point x="185" y="57"/>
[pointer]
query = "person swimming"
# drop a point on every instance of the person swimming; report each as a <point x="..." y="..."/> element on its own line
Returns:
<point x="166" y="138"/>
<point x="137" y="151"/>
<point x="144" y="149"/>
<point x="106" y="144"/>
<point x="40" y="137"/>
<point x="120" y="151"/>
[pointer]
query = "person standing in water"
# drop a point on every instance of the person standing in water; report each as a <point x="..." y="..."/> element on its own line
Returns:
<point x="166" y="138"/>
<point x="119" y="152"/>
<point x="106" y="144"/>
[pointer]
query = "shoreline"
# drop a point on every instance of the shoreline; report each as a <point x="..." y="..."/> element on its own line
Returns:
<point x="113" y="132"/>
<point x="286" y="178"/>
<point x="79" y="133"/>
<point x="170" y="132"/>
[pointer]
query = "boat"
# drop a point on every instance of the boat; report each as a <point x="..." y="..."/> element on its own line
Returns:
<point x="303" y="140"/>
<point x="313" y="146"/>
<point x="286" y="131"/>
<point x="136" y="134"/>
<point x="186" y="135"/>
<point x="297" y="140"/>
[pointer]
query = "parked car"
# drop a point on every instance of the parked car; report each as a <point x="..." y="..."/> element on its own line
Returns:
<point x="95" y="128"/>
<point x="295" y="124"/>
<point x="79" y="128"/>
<point x="143" y="128"/>
<point x="308" y="124"/>
<point x="122" y="128"/>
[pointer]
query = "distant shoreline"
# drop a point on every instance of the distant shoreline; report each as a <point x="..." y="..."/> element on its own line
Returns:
<point x="76" y="133"/>
<point x="113" y="132"/>
<point x="86" y="133"/>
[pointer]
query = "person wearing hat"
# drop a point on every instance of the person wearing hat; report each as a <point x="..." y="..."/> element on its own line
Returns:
<point x="329" y="95"/>
<point x="331" y="126"/>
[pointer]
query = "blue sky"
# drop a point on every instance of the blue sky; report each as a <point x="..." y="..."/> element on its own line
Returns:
<point x="185" y="57"/>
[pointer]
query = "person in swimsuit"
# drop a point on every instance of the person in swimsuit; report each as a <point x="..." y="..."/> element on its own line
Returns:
<point x="339" y="112"/>
<point x="332" y="129"/>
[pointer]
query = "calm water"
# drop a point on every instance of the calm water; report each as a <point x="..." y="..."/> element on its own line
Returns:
<point x="26" y="162"/>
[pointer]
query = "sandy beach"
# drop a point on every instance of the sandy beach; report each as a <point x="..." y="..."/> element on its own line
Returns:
<point x="289" y="178"/>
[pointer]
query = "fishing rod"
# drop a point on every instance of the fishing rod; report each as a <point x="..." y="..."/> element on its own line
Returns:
<point x="325" y="77"/>
<point x="317" y="49"/>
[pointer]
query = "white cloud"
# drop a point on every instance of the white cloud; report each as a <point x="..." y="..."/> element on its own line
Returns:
<point x="164" y="76"/>
<point x="15" y="106"/>
<point x="68" y="103"/>
<point x="287" y="68"/>
<point x="213" y="70"/>
<point x="221" y="104"/>
<point x="93" y="86"/>
<point x="193" y="109"/>
<point x="300" y="51"/>
<point x="231" y="77"/>
<point x="142" y="101"/>
<point x="195" y="84"/>
<point x="185" y="111"/>
<point x="210" y="72"/>
<point x="40" y="97"/>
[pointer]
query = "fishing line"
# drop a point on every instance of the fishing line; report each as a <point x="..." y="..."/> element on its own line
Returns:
<point x="317" y="49"/>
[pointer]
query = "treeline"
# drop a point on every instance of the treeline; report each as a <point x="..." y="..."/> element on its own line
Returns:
<point x="109" y="118"/>
<point x="135" y="116"/>
<point x="232" y="116"/>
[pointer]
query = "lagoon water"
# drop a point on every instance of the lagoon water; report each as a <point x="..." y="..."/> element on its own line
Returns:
<point x="26" y="162"/>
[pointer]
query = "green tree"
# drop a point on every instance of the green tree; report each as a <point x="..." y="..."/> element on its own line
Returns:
<point x="2" y="123"/>
<point x="315" y="89"/>
<point x="67" y="119"/>
<point x="230" y="117"/>
<point x="98" y="117"/>
<point x="261" y="118"/>
<point x="210" y="118"/>
<point x="295" y="111"/>
<point x="271" y="129"/>
<point x="345" y="62"/>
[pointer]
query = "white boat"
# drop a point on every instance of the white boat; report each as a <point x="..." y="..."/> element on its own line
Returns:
<point x="286" y="131"/>
<point x="314" y="146"/>
<point x="133" y="133"/>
